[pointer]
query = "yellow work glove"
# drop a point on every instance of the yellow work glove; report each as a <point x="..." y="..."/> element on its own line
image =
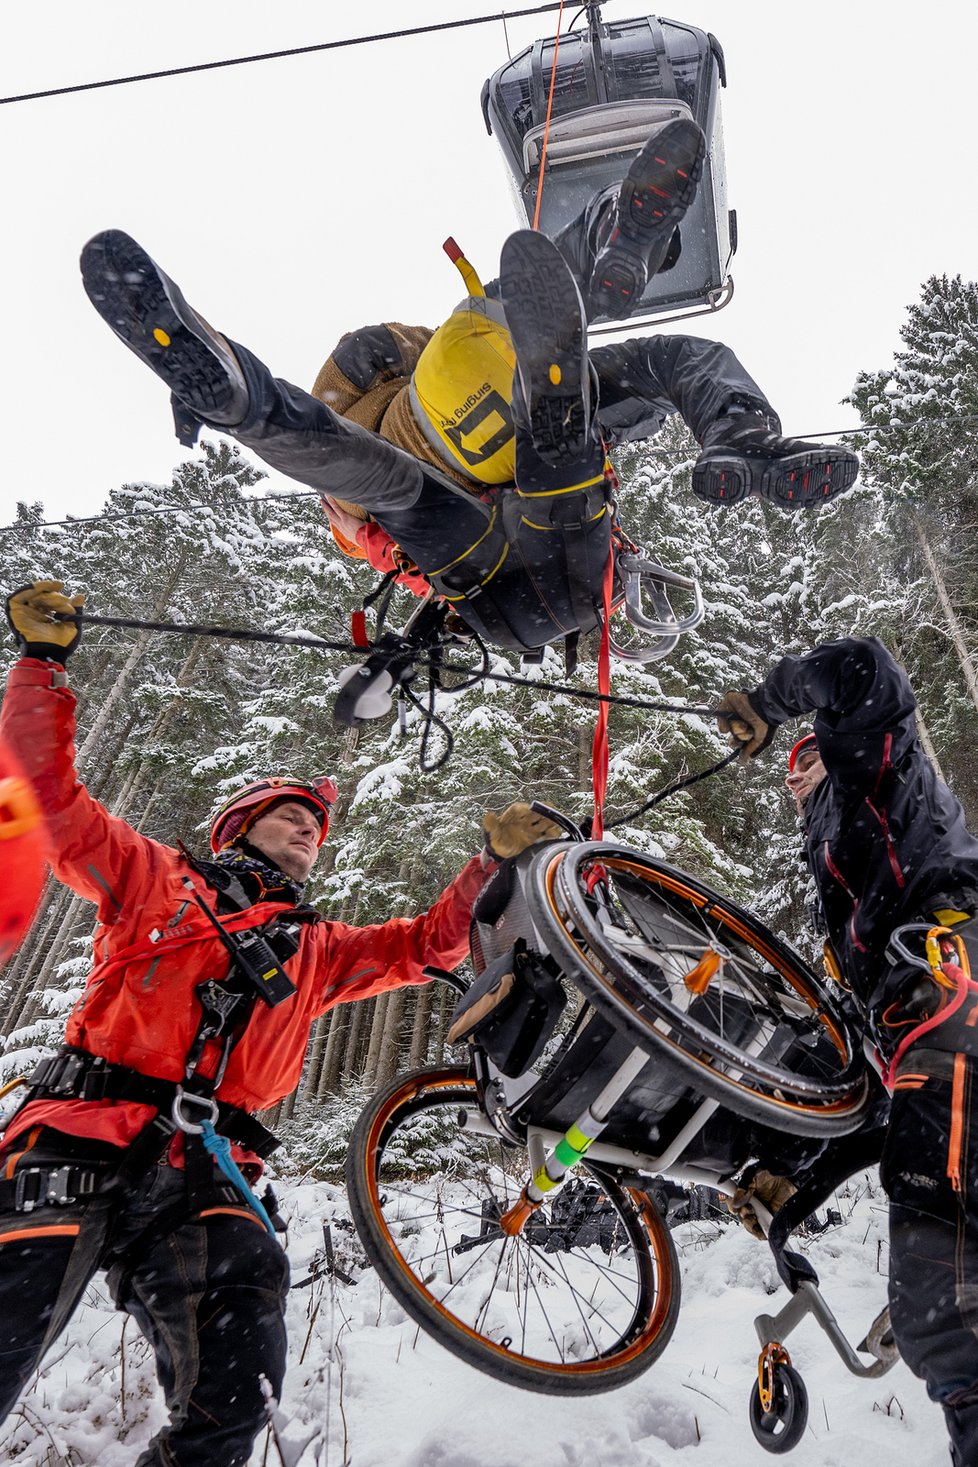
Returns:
<point x="768" y="1189"/>
<point x="738" y="717"/>
<point x="515" y="829"/>
<point x="30" y="616"/>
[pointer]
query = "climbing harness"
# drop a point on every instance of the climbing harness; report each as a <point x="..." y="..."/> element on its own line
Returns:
<point x="945" y="963"/>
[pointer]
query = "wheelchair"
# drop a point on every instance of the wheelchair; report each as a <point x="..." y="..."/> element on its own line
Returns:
<point x="626" y="1023"/>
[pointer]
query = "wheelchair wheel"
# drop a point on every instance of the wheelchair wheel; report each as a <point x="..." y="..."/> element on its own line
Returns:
<point x="781" y="1428"/>
<point x="693" y="979"/>
<point x="584" y="1299"/>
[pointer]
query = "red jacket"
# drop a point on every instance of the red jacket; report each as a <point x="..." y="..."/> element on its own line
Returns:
<point x="138" y="1007"/>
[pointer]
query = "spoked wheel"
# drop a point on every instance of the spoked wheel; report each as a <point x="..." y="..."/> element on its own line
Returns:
<point x="690" y="976"/>
<point x="582" y="1300"/>
<point x="783" y="1426"/>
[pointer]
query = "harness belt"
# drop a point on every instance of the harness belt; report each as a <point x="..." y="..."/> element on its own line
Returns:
<point x="936" y="1064"/>
<point x="74" y="1074"/>
<point x="57" y="1186"/>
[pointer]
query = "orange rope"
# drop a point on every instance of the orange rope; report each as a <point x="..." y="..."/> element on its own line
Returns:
<point x="546" y="125"/>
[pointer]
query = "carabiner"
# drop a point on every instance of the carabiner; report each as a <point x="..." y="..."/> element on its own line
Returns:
<point x="208" y="1110"/>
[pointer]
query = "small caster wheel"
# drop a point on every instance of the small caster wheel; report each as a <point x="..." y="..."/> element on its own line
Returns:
<point x="783" y="1427"/>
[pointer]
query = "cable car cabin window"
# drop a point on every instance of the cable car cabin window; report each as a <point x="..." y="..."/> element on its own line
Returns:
<point x="572" y="88"/>
<point x="639" y="73"/>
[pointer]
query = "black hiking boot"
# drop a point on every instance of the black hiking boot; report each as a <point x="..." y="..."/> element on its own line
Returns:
<point x="634" y="240"/>
<point x="545" y="315"/>
<point x="743" y="455"/>
<point x="147" y="311"/>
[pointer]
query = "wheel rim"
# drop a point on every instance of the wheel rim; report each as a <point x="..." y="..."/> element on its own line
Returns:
<point x="582" y="1291"/>
<point x="755" y="995"/>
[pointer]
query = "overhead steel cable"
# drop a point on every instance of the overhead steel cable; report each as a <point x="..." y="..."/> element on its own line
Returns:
<point x="321" y="644"/>
<point x="193" y="629"/>
<point x="315" y="494"/>
<point x="126" y="514"/>
<point x="430" y="719"/>
<point x="144" y="76"/>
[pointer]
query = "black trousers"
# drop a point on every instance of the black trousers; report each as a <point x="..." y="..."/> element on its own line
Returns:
<point x="517" y="572"/>
<point x="208" y="1295"/>
<point x="933" y="1131"/>
<point x="515" y="575"/>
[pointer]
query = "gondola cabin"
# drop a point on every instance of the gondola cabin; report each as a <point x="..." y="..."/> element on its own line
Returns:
<point x="614" y="79"/>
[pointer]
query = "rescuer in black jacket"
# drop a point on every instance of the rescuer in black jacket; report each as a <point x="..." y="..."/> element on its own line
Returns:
<point x="888" y="849"/>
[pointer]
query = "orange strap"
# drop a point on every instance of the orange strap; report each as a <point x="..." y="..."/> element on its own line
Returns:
<point x="50" y="1230"/>
<point x="546" y="125"/>
<point x="956" y="1136"/>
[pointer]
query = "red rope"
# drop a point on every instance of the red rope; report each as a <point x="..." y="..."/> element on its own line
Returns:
<point x="599" y="747"/>
<point x="546" y="125"/>
<point x="963" y="985"/>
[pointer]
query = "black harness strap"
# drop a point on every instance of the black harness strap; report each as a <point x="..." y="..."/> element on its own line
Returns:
<point x="74" y="1074"/>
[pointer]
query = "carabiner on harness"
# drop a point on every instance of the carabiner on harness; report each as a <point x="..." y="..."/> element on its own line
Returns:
<point x="942" y="947"/>
<point x="217" y="1147"/>
<point x="181" y="1111"/>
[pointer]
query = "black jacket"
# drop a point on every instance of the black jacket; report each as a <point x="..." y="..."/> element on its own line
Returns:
<point x="886" y="839"/>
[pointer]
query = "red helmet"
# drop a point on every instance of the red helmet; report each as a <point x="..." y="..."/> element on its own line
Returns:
<point x="23" y="845"/>
<point x="802" y="747"/>
<point x="244" y="807"/>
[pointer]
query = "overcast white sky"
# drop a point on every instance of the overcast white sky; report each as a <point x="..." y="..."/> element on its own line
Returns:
<point x="297" y="199"/>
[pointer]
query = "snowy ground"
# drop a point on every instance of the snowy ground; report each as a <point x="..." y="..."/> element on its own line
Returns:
<point x="367" y="1389"/>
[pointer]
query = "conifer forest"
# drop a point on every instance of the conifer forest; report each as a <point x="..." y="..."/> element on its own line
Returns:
<point x="170" y="724"/>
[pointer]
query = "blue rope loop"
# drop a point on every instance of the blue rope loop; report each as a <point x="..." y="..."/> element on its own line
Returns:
<point x="219" y="1148"/>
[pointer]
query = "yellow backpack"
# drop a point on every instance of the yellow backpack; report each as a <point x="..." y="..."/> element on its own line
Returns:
<point x="462" y="385"/>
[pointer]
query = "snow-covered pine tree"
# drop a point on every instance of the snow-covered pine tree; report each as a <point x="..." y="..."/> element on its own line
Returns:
<point x="920" y="446"/>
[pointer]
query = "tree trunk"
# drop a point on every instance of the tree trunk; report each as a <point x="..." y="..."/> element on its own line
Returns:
<point x="421" y="1028"/>
<point x="927" y="744"/>
<point x="445" y="1007"/>
<point x="54" y="899"/>
<point x="97" y="731"/>
<point x="585" y="741"/>
<point x="314" y="1068"/>
<point x="377" y="1028"/>
<point x="126" y="798"/>
<point x="74" y="918"/>
<point x="955" y="631"/>
<point x="329" y="1078"/>
<point x="389" y="1061"/>
<point x="361" y="1011"/>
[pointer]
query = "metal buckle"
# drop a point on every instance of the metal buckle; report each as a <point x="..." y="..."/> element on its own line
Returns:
<point x="95" y="1080"/>
<point x="208" y="1106"/>
<point x="65" y="1073"/>
<point x="59" y="1188"/>
<point x="23" y="1203"/>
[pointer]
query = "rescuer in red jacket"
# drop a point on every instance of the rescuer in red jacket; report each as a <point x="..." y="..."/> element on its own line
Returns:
<point x="207" y="976"/>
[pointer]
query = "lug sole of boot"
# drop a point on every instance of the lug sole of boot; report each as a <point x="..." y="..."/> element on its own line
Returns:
<point x="807" y="480"/>
<point x="657" y="190"/>
<point x="723" y="480"/>
<point x="801" y="481"/>
<point x="147" y="312"/>
<point x="545" y="319"/>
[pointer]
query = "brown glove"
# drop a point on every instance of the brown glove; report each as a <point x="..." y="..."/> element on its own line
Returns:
<point x="515" y="829"/>
<point x="30" y="617"/>
<point x="770" y="1190"/>
<point x="738" y="717"/>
